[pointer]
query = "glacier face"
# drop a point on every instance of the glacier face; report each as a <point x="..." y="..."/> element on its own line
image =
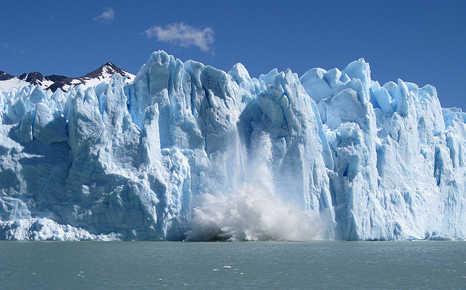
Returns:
<point x="186" y="151"/>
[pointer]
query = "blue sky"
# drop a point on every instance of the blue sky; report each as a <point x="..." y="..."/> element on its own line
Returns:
<point x="418" y="41"/>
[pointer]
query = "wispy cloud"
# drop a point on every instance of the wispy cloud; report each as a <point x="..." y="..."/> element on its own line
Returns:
<point x="12" y="49"/>
<point x="107" y="16"/>
<point x="183" y="35"/>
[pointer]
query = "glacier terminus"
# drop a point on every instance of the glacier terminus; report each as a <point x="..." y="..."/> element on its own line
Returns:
<point x="184" y="151"/>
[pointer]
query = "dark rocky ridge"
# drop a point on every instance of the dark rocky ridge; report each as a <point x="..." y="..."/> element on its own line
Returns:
<point x="59" y="81"/>
<point x="4" y="76"/>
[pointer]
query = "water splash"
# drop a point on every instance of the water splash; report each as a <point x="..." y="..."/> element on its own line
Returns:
<point x="252" y="210"/>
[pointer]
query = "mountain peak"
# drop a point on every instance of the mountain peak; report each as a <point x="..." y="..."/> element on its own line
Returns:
<point x="54" y="82"/>
<point x="34" y="78"/>
<point x="105" y="71"/>
<point x="110" y="65"/>
<point x="4" y="76"/>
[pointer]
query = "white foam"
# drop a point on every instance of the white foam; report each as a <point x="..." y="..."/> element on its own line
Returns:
<point x="254" y="211"/>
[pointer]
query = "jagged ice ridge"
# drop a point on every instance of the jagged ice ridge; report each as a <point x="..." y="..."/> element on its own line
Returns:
<point x="187" y="151"/>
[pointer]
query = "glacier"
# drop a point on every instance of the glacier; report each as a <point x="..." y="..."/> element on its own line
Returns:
<point x="189" y="152"/>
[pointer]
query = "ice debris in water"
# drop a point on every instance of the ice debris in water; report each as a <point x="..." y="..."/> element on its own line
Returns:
<point x="190" y="151"/>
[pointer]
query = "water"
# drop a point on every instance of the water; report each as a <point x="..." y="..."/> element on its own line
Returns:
<point x="237" y="265"/>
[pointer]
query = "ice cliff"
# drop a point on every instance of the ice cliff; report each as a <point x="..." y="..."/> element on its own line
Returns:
<point x="187" y="151"/>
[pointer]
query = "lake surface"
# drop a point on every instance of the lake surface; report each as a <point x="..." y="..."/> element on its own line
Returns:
<point x="236" y="265"/>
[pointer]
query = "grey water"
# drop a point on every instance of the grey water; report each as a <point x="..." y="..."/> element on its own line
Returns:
<point x="235" y="265"/>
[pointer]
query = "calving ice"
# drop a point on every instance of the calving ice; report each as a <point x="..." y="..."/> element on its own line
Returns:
<point x="187" y="151"/>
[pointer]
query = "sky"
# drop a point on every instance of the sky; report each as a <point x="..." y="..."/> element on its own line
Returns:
<point x="418" y="41"/>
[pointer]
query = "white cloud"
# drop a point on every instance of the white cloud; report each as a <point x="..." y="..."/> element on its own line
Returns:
<point x="107" y="16"/>
<point x="183" y="35"/>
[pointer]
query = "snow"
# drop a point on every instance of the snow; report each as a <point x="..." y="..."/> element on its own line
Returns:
<point x="7" y="85"/>
<point x="187" y="151"/>
<point x="105" y="76"/>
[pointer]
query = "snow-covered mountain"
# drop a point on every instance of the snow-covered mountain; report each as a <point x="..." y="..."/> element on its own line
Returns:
<point x="54" y="82"/>
<point x="187" y="151"/>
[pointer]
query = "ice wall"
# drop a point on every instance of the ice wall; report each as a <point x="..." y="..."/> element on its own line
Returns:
<point x="189" y="151"/>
